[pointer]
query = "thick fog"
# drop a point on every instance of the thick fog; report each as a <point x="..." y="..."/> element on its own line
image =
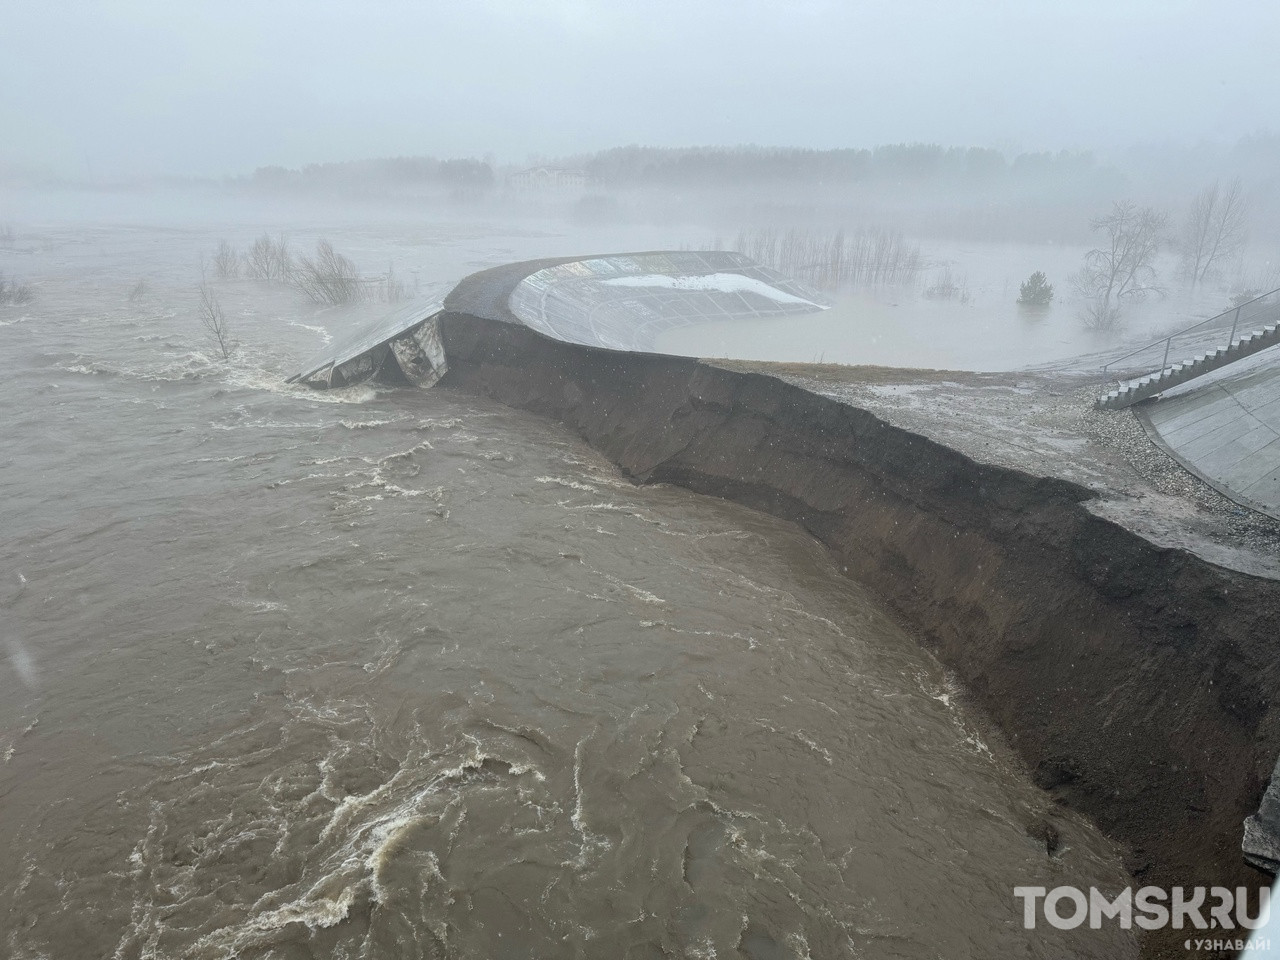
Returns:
<point x="920" y="162"/>
<point x="115" y="89"/>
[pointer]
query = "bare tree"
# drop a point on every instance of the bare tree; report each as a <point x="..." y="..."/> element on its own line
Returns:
<point x="1123" y="269"/>
<point x="947" y="286"/>
<point x="15" y="292"/>
<point x="871" y="257"/>
<point x="213" y="319"/>
<point x="282" y="260"/>
<point x="1214" y="230"/>
<point x="269" y="259"/>
<point x="329" y="278"/>
<point x="226" y="262"/>
<point x="257" y="262"/>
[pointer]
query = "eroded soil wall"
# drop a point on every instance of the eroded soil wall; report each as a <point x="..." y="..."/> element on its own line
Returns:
<point x="1135" y="681"/>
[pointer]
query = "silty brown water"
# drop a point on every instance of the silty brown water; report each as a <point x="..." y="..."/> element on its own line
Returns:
<point x="410" y="674"/>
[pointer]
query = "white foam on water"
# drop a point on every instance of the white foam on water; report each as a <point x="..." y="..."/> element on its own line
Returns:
<point x="258" y="606"/>
<point x="315" y="913"/>
<point x="325" y="336"/>
<point x="566" y="482"/>
<point x="588" y="842"/>
<point x="367" y="424"/>
<point x="639" y="593"/>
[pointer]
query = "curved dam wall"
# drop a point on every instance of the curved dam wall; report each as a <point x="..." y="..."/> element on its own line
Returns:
<point x="1135" y="681"/>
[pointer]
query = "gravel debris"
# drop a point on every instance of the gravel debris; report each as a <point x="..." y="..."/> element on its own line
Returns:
<point x="1122" y="431"/>
<point x="1045" y="422"/>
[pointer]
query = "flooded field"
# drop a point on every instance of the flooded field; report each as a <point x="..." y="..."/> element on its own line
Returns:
<point x="960" y="313"/>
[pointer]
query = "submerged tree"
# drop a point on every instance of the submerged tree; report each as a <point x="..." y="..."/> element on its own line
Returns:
<point x="1123" y="269"/>
<point x="1214" y="230"/>
<point x="269" y="259"/>
<point x="15" y="292"/>
<point x="213" y="320"/>
<point x="948" y="286"/>
<point x="871" y="257"/>
<point x="226" y="262"/>
<point x="329" y="278"/>
<point x="1036" y="290"/>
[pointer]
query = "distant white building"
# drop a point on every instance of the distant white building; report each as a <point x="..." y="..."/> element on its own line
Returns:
<point x="548" y="179"/>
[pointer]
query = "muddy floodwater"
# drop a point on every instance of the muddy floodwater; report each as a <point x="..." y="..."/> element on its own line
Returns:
<point x="977" y="326"/>
<point x="409" y="674"/>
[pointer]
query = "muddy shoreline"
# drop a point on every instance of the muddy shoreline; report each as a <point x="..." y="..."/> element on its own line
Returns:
<point x="1134" y="680"/>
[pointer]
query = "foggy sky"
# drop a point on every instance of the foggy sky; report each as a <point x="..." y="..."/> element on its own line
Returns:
<point x="215" y="88"/>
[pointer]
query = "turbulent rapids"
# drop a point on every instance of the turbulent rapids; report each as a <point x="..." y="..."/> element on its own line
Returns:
<point x="373" y="673"/>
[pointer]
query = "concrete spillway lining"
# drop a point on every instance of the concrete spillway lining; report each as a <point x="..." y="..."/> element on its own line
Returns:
<point x="1227" y="432"/>
<point x="624" y="302"/>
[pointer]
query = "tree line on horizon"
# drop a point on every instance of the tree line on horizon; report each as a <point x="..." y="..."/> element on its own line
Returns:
<point x="694" y="166"/>
<point x="462" y="173"/>
<point x="637" y="165"/>
<point x="1070" y="175"/>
